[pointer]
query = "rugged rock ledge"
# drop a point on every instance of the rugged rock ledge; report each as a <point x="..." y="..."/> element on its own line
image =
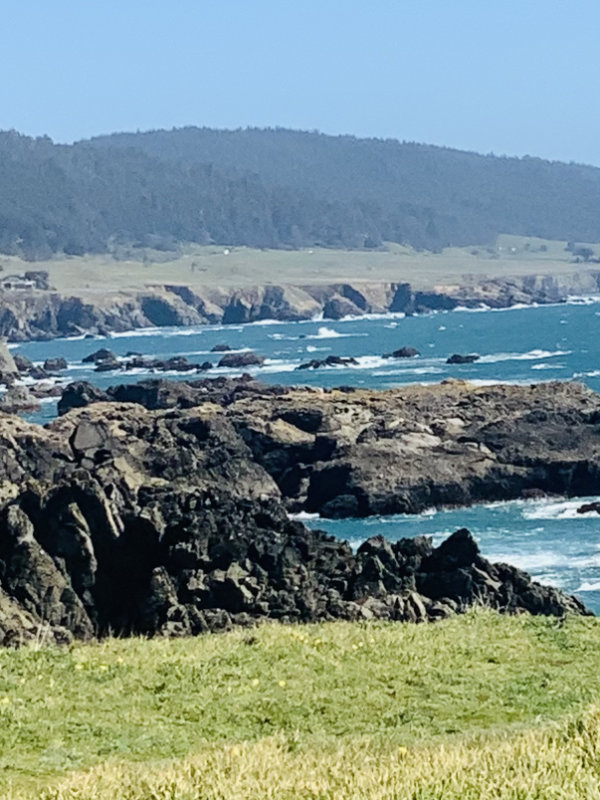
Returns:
<point x="44" y="314"/>
<point x="119" y="518"/>
<point x="349" y="452"/>
<point x="167" y="513"/>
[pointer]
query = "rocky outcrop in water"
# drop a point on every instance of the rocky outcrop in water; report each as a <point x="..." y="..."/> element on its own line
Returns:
<point x="123" y="519"/>
<point x="355" y="453"/>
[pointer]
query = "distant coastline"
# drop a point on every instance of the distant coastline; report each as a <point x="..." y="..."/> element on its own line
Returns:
<point x="35" y="314"/>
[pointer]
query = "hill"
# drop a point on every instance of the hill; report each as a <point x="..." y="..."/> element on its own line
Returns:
<point x="278" y="189"/>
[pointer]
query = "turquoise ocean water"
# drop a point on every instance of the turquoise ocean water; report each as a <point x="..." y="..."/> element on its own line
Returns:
<point x="520" y="345"/>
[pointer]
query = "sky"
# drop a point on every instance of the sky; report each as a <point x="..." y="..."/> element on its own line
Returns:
<point x="510" y="77"/>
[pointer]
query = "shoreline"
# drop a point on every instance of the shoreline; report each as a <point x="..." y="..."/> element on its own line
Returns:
<point x="44" y="315"/>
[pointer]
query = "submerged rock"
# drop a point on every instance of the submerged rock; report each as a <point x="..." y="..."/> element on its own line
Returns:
<point x="458" y="358"/>
<point x="330" y="361"/>
<point x="403" y="352"/>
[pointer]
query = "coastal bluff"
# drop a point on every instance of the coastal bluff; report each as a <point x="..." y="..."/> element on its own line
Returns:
<point x="162" y="508"/>
<point x="40" y="314"/>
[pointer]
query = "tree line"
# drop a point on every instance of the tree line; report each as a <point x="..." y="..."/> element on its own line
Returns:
<point x="278" y="188"/>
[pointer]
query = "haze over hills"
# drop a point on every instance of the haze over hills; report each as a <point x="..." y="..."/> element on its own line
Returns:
<point x="279" y="188"/>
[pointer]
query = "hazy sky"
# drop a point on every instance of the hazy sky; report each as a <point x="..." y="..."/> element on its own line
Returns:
<point x="510" y="77"/>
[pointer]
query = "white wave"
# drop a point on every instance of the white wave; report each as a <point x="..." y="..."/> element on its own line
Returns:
<point x="442" y="328"/>
<point x="261" y="322"/>
<point x="484" y="382"/>
<point x="304" y="515"/>
<point x="531" y="355"/>
<point x="325" y="333"/>
<point x="373" y="316"/>
<point x="410" y="371"/>
<point x="595" y="373"/>
<point x="330" y="333"/>
<point x="271" y="365"/>
<point x="548" y="366"/>
<point x="368" y="362"/>
<point x="473" y="309"/>
<point x="586" y="586"/>
<point x="311" y="348"/>
<point x="134" y="334"/>
<point x="532" y="562"/>
<point x="566" y="509"/>
<point x="583" y="300"/>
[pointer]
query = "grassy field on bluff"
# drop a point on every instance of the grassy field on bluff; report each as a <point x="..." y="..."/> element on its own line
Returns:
<point x="205" y="266"/>
<point x="475" y="706"/>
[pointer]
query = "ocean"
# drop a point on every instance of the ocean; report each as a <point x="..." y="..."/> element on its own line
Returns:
<point x="518" y="345"/>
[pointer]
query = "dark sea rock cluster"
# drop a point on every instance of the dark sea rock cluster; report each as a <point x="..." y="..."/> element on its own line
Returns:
<point x="160" y="508"/>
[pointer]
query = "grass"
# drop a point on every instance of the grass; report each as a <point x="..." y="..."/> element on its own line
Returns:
<point x="472" y="704"/>
<point x="211" y="266"/>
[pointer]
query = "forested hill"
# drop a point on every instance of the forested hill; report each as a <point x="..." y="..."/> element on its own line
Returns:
<point x="279" y="188"/>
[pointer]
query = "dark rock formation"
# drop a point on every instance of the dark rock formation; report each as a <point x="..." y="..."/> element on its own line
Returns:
<point x="357" y="453"/>
<point x="108" y="365"/>
<point x="55" y="364"/>
<point x="458" y="358"/>
<point x="244" y="359"/>
<point x="403" y="352"/>
<point x="103" y="354"/>
<point x="116" y="518"/>
<point x="330" y="361"/>
<point x="18" y="400"/>
<point x="23" y="364"/>
<point x="8" y="368"/>
<point x="589" y="508"/>
<point x="220" y="348"/>
<point x="80" y="394"/>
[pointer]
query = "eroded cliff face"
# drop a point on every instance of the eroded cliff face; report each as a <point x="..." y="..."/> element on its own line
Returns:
<point x="41" y="314"/>
<point x="167" y="515"/>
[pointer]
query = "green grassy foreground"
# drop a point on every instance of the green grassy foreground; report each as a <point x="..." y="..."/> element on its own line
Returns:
<point x="476" y="706"/>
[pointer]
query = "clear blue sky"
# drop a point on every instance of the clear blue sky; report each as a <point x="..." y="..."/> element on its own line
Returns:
<point x="510" y="77"/>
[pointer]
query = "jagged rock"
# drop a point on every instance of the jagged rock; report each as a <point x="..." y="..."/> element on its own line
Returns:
<point x="330" y="361"/>
<point x="588" y="508"/>
<point x="119" y="518"/>
<point x="18" y="400"/>
<point x="38" y="373"/>
<point x="55" y="364"/>
<point x="340" y="307"/>
<point x="78" y="395"/>
<point x="402" y="450"/>
<point x="8" y="368"/>
<point x="220" y="348"/>
<point x="107" y="365"/>
<point x="244" y="359"/>
<point x="403" y="352"/>
<point x="457" y="358"/>
<point x="41" y="390"/>
<point x="23" y="363"/>
<point x="103" y="354"/>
